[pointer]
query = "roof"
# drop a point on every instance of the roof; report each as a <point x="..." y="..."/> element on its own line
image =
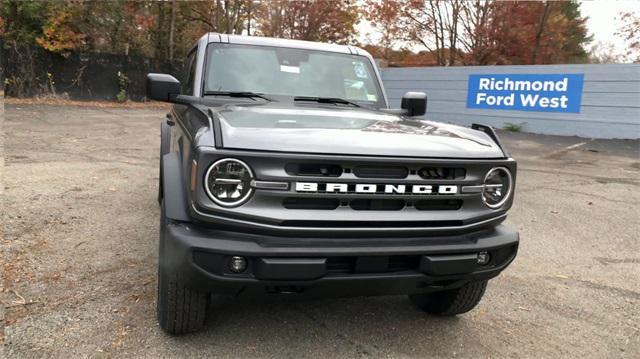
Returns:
<point x="271" y="41"/>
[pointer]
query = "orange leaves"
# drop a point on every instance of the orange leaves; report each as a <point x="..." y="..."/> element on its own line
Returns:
<point x="313" y="20"/>
<point x="59" y="34"/>
<point x="478" y="32"/>
<point x="629" y="31"/>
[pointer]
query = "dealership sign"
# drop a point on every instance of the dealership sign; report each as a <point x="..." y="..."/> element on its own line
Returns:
<point x="526" y="92"/>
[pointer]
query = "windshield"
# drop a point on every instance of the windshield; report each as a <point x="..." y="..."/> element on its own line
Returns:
<point x="291" y="72"/>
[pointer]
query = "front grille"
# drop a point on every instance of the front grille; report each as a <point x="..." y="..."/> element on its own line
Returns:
<point x="364" y="171"/>
<point x="372" y="204"/>
<point x="357" y="224"/>
<point x="366" y="194"/>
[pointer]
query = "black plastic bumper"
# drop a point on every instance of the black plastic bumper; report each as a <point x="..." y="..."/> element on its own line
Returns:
<point x="332" y="266"/>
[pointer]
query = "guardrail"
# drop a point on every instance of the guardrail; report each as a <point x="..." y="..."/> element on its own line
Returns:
<point x="602" y="101"/>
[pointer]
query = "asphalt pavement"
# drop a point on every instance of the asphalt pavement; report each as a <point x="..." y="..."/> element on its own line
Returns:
<point x="79" y="225"/>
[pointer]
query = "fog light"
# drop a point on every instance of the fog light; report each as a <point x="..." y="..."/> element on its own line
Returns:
<point x="484" y="258"/>
<point x="237" y="264"/>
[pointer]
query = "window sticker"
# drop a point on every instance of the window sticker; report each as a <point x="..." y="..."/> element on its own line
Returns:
<point x="290" y="69"/>
<point x="357" y="85"/>
<point x="372" y="97"/>
<point x="359" y="70"/>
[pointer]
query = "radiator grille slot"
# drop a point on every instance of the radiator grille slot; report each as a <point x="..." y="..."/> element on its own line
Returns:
<point x="377" y="204"/>
<point x="438" y="204"/>
<point x="381" y="171"/>
<point x="449" y="173"/>
<point x="370" y="224"/>
<point x="313" y="169"/>
<point x="311" y="203"/>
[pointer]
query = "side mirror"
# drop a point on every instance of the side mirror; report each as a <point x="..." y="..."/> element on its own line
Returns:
<point x="162" y="87"/>
<point x="414" y="103"/>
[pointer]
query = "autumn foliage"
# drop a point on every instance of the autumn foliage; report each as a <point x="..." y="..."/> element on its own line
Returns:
<point x="405" y="32"/>
<point x="458" y="32"/>
<point x="630" y="32"/>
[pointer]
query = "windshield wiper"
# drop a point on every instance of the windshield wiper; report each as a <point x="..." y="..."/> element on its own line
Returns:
<point x="334" y="100"/>
<point x="245" y="94"/>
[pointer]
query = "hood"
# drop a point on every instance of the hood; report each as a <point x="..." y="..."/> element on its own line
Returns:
<point x="347" y="131"/>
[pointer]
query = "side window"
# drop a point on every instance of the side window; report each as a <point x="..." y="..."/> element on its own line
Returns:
<point x="190" y="65"/>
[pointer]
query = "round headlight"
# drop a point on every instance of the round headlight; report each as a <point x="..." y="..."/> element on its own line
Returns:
<point x="497" y="187"/>
<point x="228" y="182"/>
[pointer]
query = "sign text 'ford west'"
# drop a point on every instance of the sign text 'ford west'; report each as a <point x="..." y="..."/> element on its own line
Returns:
<point x="526" y="92"/>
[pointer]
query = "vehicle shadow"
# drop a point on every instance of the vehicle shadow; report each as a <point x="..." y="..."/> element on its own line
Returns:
<point x="290" y="326"/>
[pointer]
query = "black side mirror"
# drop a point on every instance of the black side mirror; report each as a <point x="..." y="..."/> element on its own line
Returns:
<point x="162" y="87"/>
<point x="414" y="103"/>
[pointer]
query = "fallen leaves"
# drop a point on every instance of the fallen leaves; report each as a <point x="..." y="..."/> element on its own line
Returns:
<point x="98" y="104"/>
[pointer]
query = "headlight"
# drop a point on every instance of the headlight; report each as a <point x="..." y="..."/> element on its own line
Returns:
<point x="228" y="182"/>
<point x="497" y="187"/>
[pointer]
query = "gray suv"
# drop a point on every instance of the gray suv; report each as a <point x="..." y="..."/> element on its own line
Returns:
<point x="283" y="170"/>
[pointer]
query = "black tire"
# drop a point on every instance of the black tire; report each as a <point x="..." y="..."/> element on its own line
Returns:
<point x="451" y="302"/>
<point x="180" y="310"/>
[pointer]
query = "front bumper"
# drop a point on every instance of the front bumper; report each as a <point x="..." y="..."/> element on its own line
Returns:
<point x="331" y="266"/>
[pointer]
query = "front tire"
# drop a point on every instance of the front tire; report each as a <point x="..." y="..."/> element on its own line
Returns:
<point x="451" y="302"/>
<point x="179" y="309"/>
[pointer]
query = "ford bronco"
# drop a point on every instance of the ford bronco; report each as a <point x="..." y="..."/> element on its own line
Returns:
<point x="283" y="170"/>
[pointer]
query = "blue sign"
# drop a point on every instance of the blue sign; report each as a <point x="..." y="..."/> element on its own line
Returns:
<point x="526" y="92"/>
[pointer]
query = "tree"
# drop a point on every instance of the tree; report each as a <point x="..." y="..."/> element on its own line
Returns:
<point x="119" y="26"/>
<point x="385" y="17"/>
<point x="604" y="53"/>
<point x="435" y="24"/>
<point x="629" y="31"/>
<point x="576" y="33"/>
<point x="312" y="20"/>
<point x="22" y="24"/>
<point x="60" y="33"/>
<point x="477" y="40"/>
<point x="537" y="33"/>
<point x="483" y="32"/>
<point x="23" y="21"/>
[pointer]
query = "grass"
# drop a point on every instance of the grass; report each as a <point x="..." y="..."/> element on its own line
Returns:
<point x="513" y="127"/>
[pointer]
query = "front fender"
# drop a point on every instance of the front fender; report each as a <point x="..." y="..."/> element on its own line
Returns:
<point x="175" y="198"/>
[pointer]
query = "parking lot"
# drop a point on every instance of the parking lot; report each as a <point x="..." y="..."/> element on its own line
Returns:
<point x="79" y="219"/>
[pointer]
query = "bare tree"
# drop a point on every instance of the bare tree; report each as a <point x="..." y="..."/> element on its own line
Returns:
<point x="476" y="40"/>
<point x="436" y="25"/>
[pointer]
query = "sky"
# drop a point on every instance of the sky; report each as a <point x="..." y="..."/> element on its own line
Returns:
<point x="602" y="22"/>
<point x="603" y="19"/>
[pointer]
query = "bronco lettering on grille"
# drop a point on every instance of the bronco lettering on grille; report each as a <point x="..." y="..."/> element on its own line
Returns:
<point x="375" y="188"/>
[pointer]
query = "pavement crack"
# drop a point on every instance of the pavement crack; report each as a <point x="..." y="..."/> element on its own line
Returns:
<point x="605" y="261"/>
<point x="590" y="195"/>
<point x="599" y="179"/>
<point x="591" y="285"/>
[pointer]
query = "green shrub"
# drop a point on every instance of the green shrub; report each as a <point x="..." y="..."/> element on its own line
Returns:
<point x="513" y="127"/>
<point x="123" y="81"/>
